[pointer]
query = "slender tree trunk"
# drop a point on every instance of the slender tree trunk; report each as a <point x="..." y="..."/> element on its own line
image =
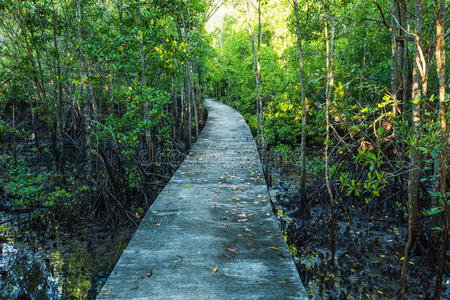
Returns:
<point x="257" y="70"/>
<point x="82" y="75"/>
<point x="260" y="104"/>
<point x="58" y="93"/>
<point x="329" y="93"/>
<point x="404" y="19"/>
<point x="303" y="103"/>
<point x="149" y="138"/>
<point x="189" y="109"/>
<point x="194" y="98"/>
<point x="394" y="54"/>
<point x="440" y="168"/>
<point x="418" y="91"/>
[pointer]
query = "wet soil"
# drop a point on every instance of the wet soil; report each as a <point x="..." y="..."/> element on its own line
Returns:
<point x="62" y="264"/>
<point x="369" y="246"/>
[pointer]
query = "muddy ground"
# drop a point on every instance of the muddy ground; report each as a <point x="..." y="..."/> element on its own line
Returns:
<point x="369" y="249"/>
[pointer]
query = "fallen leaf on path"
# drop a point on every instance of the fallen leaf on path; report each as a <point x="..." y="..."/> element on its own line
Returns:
<point x="274" y="248"/>
<point x="149" y="273"/>
<point x="282" y="282"/>
<point x="232" y="249"/>
<point x="189" y="186"/>
<point x="277" y="234"/>
<point x="106" y="293"/>
<point x="216" y="269"/>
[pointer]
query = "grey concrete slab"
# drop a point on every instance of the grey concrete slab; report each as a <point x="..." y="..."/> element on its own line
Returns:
<point x="211" y="233"/>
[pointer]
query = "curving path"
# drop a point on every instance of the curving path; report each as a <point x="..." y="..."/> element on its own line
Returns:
<point x="211" y="233"/>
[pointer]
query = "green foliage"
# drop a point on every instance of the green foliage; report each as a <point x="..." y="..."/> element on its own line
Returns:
<point x="23" y="187"/>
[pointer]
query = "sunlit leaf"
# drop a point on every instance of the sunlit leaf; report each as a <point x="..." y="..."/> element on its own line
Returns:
<point x="233" y="249"/>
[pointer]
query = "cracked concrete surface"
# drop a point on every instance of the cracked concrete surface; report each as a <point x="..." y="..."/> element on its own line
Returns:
<point x="211" y="233"/>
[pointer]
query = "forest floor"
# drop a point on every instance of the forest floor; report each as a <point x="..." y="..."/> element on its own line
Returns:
<point x="369" y="247"/>
<point x="60" y="252"/>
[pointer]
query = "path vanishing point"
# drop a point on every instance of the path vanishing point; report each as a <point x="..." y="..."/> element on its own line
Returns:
<point x="211" y="233"/>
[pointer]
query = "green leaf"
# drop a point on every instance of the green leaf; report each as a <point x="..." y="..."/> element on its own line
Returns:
<point x="437" y="228"/>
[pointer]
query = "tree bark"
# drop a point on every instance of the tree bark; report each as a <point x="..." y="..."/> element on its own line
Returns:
<point x="82" y="75"/>
<point x="303" y="104"/>
<point x="394" y="55"/>
<point x="440" y="168"/>
<point x="58" y="94"/>
<point x="404" y="9"/>
<point x="329" y="93"/>
<point x="418" y="92"/>
<point x="257" y="71"/>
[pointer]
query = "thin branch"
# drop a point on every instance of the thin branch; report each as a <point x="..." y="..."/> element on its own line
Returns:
<point x="382" y="14"/>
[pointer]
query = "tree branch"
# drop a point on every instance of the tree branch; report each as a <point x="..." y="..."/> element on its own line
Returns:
<point x="382" y="14"/>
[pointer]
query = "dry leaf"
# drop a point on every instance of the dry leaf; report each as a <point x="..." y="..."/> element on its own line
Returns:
<point x="149" y="273"/>
<point x="216" y="269"/>
<point x="276" y="235"/>
<point x="232" y="249"/>
<point x="275" y="248"/>
<point x="106" y="293"/>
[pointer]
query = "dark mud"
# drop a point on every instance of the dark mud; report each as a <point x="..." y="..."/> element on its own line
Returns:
<point x="369" y="249"/>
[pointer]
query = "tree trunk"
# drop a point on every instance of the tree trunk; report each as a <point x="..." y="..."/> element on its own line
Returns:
<point x="257" y="70"/>
<point x="87" y="106"/>
<point x="58" y="94"/>
<point x="329" y="94"/>
<point x="394" y="54"/>
<point x="404" y="9"/>
<point x="260" y="104"/>
<point x="418" y="91"/>
<point x="440" y="168"/>
<point x="304" y="112"/>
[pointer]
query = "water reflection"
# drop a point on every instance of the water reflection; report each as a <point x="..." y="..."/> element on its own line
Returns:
<point x="26" y="274"/>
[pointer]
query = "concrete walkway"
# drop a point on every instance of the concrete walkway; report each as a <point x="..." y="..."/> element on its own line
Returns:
<point x="211" y="233"/>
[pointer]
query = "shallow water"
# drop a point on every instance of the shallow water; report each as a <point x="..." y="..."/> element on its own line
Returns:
<point x="27" y="274"/>
<point x="67" y="266"/>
